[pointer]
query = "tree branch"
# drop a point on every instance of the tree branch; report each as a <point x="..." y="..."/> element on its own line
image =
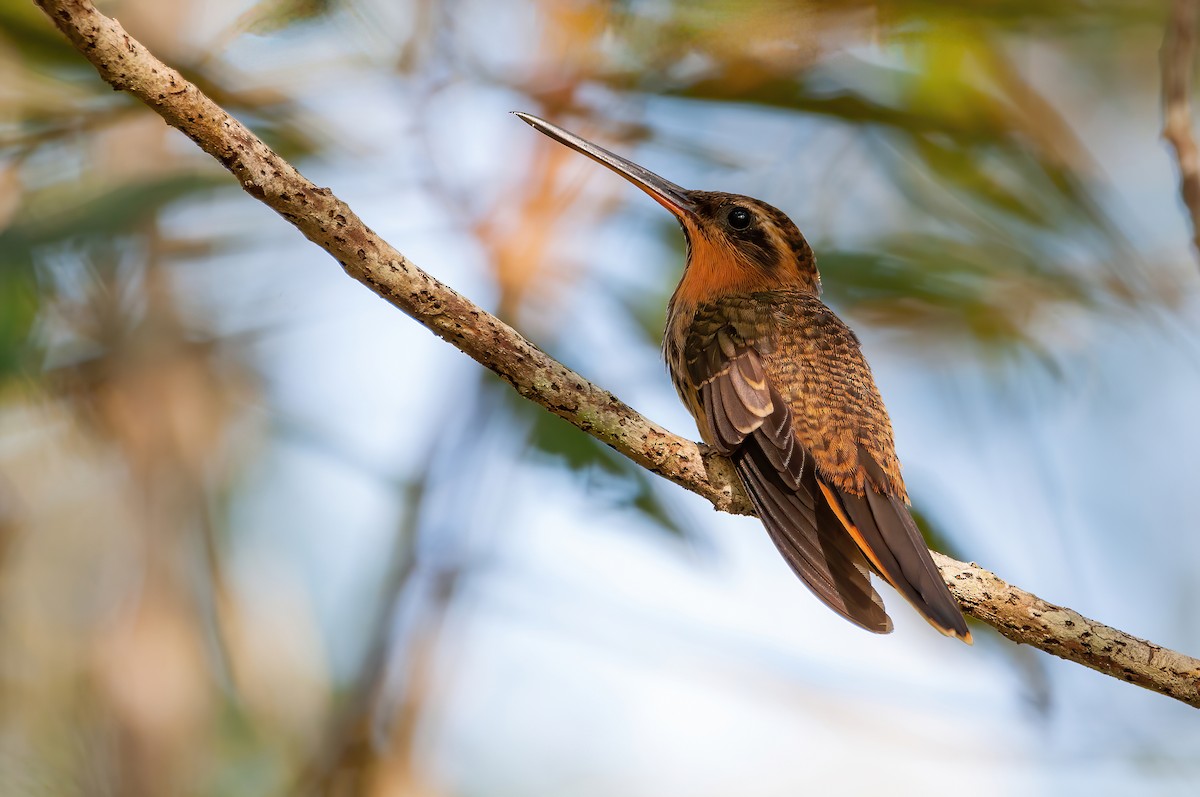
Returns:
<point x="1178" y="62"/>
<point x="328" y="222"/>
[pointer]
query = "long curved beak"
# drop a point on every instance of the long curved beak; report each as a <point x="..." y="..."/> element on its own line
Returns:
<point x="664" y="192"/>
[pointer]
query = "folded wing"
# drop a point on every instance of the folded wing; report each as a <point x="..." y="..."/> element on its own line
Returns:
<point x="747" y="420"/>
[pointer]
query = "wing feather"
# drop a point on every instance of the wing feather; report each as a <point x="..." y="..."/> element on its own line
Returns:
<point x="835" y="518"/>
<point x="751" y="422"/>
<point x="815" y="547"/>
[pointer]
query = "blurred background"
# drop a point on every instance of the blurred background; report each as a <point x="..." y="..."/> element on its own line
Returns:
<point x="262" y="534"/>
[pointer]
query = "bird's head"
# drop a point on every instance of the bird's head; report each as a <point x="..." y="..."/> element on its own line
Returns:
<point x="735" y="243"/>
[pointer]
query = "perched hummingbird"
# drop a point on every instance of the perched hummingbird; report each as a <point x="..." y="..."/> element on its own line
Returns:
<point x="778" y="383"/>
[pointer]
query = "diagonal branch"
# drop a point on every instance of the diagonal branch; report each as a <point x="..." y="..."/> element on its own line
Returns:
<point x="1178" y="58"/>
<point x="328" y="222"/>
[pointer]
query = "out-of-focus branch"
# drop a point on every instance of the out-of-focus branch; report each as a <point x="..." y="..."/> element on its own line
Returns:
<point x="1178" y="63"/>
<point x="329" y="223"/>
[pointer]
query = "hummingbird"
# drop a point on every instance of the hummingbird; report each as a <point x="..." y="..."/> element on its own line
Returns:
<point x="778" y="384"/>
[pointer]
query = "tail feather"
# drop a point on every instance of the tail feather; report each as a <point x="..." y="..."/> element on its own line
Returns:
<point x="811" y="541"/>
<point x="888" y="536"/>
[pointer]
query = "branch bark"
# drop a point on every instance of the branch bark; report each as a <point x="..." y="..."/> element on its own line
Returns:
<point x="1178" y="63"/>
<point x="328" y="222"/>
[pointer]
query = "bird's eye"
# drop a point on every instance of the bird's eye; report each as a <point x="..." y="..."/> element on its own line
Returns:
<point x="739" y="218"/>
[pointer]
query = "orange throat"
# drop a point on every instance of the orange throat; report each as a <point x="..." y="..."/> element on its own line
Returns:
<point x="715" y="269"/>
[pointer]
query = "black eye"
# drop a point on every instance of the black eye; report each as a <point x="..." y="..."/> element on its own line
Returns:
<point x="739" y="218"/>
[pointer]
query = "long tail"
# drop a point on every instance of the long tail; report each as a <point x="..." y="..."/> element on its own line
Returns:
<point x="885" y="532"/>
